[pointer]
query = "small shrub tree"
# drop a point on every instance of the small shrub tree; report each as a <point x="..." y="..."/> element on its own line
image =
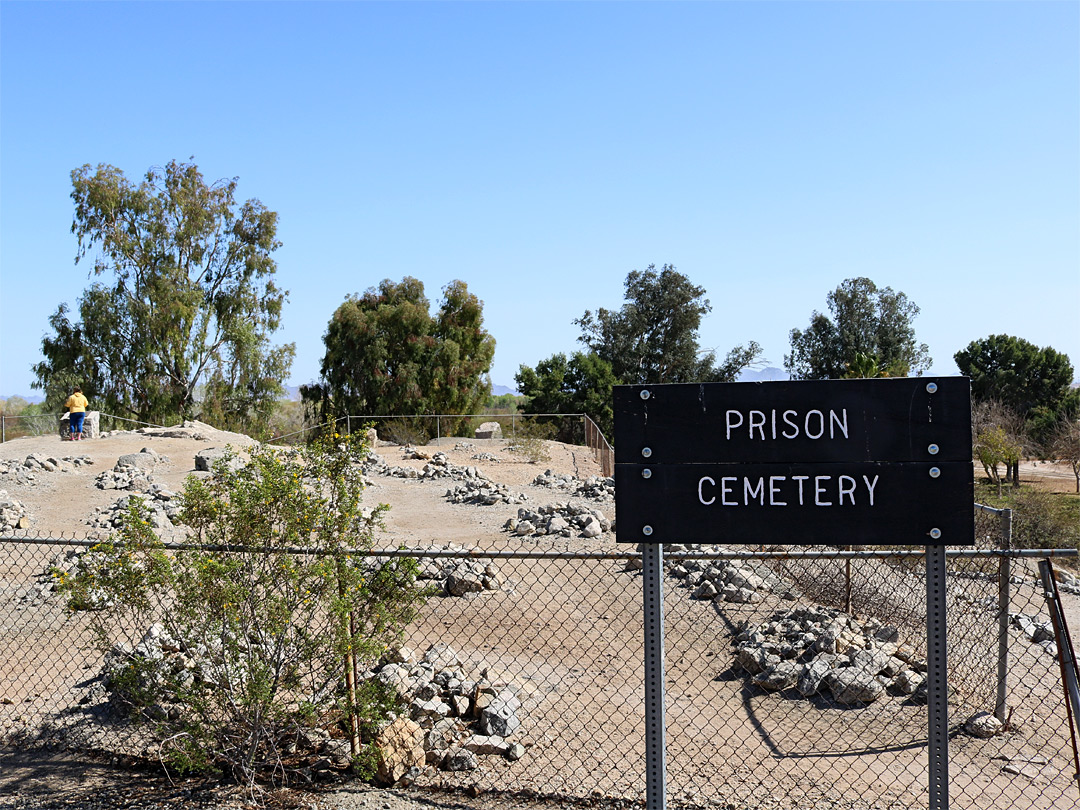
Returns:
<point x="994" y="447"/>
<point x="270" y="618"/>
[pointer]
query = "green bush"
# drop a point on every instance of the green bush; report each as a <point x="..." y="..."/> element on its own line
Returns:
<point x="1040" y="519"/>
<point x="259" y="634"/>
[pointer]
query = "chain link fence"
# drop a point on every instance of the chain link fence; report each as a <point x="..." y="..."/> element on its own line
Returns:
<point x="794" y="677"/>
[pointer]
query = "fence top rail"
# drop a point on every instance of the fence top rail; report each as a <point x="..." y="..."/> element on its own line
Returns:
<point x="991" y="509"/>
<point x="817" y="554"/>
<point x="488" y="416"/>
<point x="102" y="413"/>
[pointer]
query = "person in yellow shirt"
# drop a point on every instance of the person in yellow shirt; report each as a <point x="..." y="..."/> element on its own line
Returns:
<point x="76" y="405"/>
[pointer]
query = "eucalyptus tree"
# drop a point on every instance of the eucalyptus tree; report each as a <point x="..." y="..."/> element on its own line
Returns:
<point x="870" y="328"/>
<point x="653" y="337"/>
<point x="186" y="303"/>
<point x="387" y="355"/>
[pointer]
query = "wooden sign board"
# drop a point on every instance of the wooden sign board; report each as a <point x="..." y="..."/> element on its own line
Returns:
<point x="845" y="462"/>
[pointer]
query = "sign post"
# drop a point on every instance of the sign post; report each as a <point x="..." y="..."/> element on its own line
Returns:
<point x="823" y="462"/>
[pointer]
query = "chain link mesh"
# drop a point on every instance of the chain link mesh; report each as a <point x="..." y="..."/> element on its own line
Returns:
<point x="746" y="725"/>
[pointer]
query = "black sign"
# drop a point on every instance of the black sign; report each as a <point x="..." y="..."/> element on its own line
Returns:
<point x="885" y="461"/>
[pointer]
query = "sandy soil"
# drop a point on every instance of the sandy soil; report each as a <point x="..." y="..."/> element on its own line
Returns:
<point x="570" y="632"/>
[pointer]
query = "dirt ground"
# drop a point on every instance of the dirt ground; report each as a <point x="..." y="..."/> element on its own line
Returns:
<point x="1053" y="476"/>
<point x="556" y="631"/>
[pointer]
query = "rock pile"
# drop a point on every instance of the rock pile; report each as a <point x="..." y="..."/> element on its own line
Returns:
<point x="1067" y="582"/>
<point x="816" y="649"/>
<point x="1037" y="629"/>
<point x="454" y="714"/>
<point x="561" y="519"/>
<point x="12" y="513"/>
<point x="131" y="472"/>
<point x="17" y="471"/>
<point x="595" y="486"/>
<point x="23" y="471"/>
<point x="742" y="582"/>
<point x="66" y="565"/>
<point x="206" y="459"/>
<point x="199" y="431"/>
<point x="438" y="467"/>
<point x="125" y="478"/>
<point x="163" y="512"/>
<point x="462" y="714"/>
<point x="468" y="577"/>
<point x="486" y="457"/>
<point x="485" y="492"/>
<point x="451" y="576"/>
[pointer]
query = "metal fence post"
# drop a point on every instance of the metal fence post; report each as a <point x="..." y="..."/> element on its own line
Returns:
<point x="348" y="424"/>
<point x="652" y="581"/>
<point x="937" y="704"/>
<point x="1004" y="601"/>
<point x="3" y="429"/>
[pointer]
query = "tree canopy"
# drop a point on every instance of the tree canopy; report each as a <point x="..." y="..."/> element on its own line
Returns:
<point x="386" y="354"/>
<point x="870" y="328"/>
<point x="188" y="304"/>
<point x="653" y="338"/>
<point x="580" y="384"/>
<point x="1032" y="382"/>
<point x="1015" y="372"/>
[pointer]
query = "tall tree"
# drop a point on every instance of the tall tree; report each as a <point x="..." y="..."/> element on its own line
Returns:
<point x="653" y="338"/>
<point x="386" y="354"/>
<point x="1032" y="382"/>
<point x="1016" y="373"/>
<point x="870" y="327"/>
<point x="580" y="384"/>
<point x="190" y="300"/>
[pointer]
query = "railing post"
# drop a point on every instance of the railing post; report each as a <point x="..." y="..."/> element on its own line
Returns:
<point x="3" y="429"/>
<point x="1004" y="599"/>
<point x="348" y="424"/>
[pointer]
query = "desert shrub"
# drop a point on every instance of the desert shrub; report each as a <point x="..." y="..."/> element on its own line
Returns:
<point x="1040" y="519"/>
<point x="255" y="636"/>
<point x="529" y="437"/>
<point x="1045" y="519"/>
<point x="403" y="431"/>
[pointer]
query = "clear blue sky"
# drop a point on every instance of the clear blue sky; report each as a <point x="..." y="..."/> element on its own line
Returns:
<point x="541" y="151"/>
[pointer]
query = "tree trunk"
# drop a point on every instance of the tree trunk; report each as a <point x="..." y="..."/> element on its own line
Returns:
<point x="1016" y="474"/>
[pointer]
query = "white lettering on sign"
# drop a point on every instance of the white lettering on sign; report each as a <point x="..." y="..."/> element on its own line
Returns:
<point x="774" y="424"/>
<point x="783" y="490"/>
